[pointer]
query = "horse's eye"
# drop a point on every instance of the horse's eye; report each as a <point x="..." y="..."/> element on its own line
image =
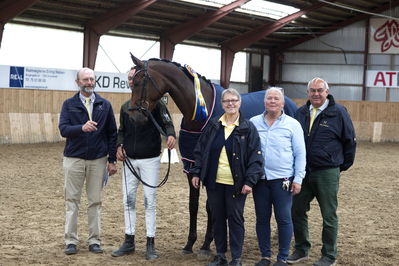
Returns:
<point x="136" y="83"/>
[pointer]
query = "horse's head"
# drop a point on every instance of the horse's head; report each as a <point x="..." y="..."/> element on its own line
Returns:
<point x="146" y="92"/>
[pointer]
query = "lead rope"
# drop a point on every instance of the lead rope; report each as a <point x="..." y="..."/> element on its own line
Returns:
<point x="129" y="164"/>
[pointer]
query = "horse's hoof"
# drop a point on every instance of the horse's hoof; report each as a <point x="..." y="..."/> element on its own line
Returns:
<point x="188" y="248"/>
<point x="186" y="251"/>
<point x="204" y="253"/>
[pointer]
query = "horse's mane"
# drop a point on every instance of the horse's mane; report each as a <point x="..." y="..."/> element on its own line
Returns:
<point x="182" y="68"/>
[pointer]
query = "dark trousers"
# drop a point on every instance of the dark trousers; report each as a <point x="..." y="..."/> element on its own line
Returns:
<point x="227" y="208"/>
<point x="267" y="194"/>
<point x="322" y="185"/>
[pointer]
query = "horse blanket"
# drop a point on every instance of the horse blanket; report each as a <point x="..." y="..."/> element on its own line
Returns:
<point x="252" y="104"/>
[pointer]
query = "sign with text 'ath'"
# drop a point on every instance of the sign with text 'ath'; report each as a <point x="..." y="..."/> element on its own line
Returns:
<point x="383" y="78"/>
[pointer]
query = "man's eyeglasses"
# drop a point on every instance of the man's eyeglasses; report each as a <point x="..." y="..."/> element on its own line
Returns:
<point x="234" y="101"/>
<point x="313" y="91"/>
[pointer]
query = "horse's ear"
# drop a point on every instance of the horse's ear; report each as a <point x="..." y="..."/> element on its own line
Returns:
<point x="136" y="61"/>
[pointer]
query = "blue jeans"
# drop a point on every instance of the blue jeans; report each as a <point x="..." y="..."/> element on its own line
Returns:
<point x="266" y="194"/>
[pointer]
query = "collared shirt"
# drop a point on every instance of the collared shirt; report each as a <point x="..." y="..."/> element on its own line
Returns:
<point x="224" y="175"/>
<point x="92" y="99"/>
<point x="320" y="109"/>
<point x="283" y="147"/>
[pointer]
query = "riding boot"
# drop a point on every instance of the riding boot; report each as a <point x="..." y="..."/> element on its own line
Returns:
<point x="151" y="253"/>
<point x="126" y="248"/>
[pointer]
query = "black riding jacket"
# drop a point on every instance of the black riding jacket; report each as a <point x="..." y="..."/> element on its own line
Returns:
<point x="247" y="162"/>
<point x="332" y="142"/>
<point x="143" y="140"/>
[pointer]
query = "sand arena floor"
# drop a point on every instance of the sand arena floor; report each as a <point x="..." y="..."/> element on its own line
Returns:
<point x="32" y="213"/>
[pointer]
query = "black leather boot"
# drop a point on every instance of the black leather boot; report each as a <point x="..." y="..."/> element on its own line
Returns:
<point x="151" y="254"/>
<point x="126" y="248"/>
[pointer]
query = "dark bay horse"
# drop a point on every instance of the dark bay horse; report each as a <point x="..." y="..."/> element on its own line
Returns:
<point x="154" y="78"/>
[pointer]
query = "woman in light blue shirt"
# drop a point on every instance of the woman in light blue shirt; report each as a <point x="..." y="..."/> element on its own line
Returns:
<point x="284" y="152"/>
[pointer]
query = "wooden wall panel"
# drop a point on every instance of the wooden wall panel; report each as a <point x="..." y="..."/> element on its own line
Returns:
<point x="46" y="101"/>
<point x="36" y="128"/>
<point x="32" y="115"/>
<point x="56" y="132"/>
<point x="46" y="125"/>
<point x="2" y="102"/>
<point x="390" y="132"/>
<point x="5" y="134"/>
<point x="364" y="130"/>
<point x="15" y="128"/>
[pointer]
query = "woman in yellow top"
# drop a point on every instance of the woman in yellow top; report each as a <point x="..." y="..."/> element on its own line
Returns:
<point x="228" y="161"/>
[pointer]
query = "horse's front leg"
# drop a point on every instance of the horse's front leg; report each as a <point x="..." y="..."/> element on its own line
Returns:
<point x="193" y="209"/>
<point x="205" y="249"/>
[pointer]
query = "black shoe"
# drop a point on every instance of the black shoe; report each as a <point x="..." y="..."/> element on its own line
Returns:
<point x="296" y="257"/>
<point x="150" y="253"/>
<point x="218" y="260"/>
<point x="324" y="261"/>
<point x="235" y="262"/>
<point x="70" y="249"/>
<point x="263" y="262"/>
<point x="95" y="248"/>
<point x="127" y="247"/>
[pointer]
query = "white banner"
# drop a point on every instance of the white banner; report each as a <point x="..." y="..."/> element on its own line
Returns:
<point x="382" y="79"/>
<point x="384" y="36"/>
<point x="58" y="79"/>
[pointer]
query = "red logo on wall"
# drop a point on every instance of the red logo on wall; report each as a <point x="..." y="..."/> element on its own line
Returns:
<point x="388" y="35"/>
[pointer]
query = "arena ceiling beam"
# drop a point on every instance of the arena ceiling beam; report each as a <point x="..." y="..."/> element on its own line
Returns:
<point x="183" y="31"/>
<point x="342" y="24"/>
<point x="104" y="23"/>
<point x="231" y="46"/>
<point x="9" y="9"/>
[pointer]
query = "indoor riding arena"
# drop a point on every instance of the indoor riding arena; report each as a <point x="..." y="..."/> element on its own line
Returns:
<point x="32" y="209"/>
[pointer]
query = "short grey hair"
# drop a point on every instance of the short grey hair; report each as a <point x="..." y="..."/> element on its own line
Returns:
<point x="277" y="89"/>
<point x="231" y="91"/>
<point x="318" y="79"/>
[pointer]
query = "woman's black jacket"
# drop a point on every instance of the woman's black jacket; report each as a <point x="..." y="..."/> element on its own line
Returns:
<point x="247" y="164"/>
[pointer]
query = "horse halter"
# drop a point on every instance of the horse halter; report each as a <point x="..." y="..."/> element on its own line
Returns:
<point x="142" y="104"/>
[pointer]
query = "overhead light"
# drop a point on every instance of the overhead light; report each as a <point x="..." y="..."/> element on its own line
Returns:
<point x="255" y="7"/>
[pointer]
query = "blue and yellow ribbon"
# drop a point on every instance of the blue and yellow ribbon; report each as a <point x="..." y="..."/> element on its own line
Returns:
<point x="200" y="111"/>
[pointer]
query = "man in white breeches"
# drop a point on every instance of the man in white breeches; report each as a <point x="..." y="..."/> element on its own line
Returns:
<point x="139" y="142"/>
<point x="148" y="169"/>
